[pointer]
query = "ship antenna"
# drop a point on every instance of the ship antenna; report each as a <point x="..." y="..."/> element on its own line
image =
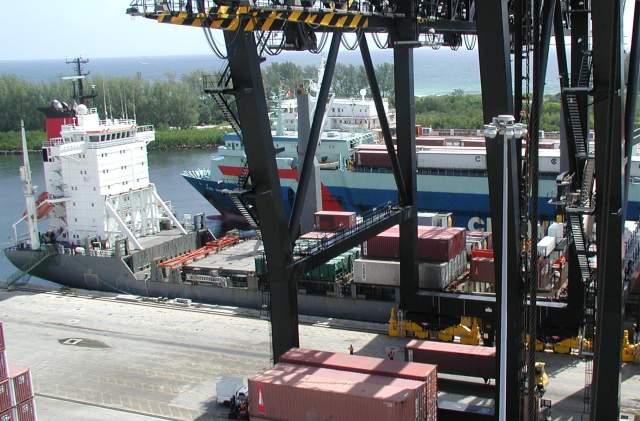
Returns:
<point x="134" y="108"/>
<point x="126" y="112"/>
<point x="121" y="105"/>
<point x="104" y="99"/>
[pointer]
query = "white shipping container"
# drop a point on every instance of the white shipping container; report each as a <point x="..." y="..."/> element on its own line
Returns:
<point x="434" y="275"/>
<point x="546" y="246"/>
<point x="426" y="218"/>
<point x="376" y="272"/>
<point x="556" y="230"/>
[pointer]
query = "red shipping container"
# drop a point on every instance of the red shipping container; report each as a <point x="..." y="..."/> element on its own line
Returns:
<point x="370" y="365"/>
<point x="26" y="411"/>
<point x="8" y="415"/>
<point x="7" y="398"/>
<point x="4" y="366"/>
<point x="373" y="158"/>
<point x="482" y="269"/>
<point x="287" y="392"/>
<point x="434" y="243"/>
<point x="334" y="220"/>
<point x="2" y="342"/>
<point x="482" y="253"/>
<point x="452" y="358"/>
<point x="22" y="385"/>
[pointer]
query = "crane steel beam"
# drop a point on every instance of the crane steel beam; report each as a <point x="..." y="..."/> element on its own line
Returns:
<point x="249" y="18"/>
<point x="261" y="157"/>
<point x="403" y="39"/>
<point x="382" y="116"/>
<point x="497" y="98"/>
<point x="631" y="100"/>
<point x="314" y="135"/>
<point x="608" y="119"/>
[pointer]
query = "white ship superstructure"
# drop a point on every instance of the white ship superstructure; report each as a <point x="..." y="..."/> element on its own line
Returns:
<point x="341" y="113"/>
<point x="97" y="177"/>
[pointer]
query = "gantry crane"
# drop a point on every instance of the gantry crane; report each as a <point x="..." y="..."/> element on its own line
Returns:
<point x="522" y="28"/>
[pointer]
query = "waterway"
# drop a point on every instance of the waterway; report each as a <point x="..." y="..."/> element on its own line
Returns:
<point x="164" y="171"/>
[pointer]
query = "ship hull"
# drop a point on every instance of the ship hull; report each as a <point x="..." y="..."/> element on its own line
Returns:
<point x="113" y="275"/>
<point x="466" y="196"/>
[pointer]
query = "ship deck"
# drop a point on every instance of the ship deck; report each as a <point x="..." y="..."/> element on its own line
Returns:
<point x="159" y="238"/>
<point x="238" y="258"/>
<point x="96" y="356"/>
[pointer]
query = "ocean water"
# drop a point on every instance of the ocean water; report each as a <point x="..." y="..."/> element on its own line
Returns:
<point x="437" y="72"/>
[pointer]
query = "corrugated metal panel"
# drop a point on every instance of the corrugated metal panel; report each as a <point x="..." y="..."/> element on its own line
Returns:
<point x="482" y="269"/>
<point x="359" y="364"/>
<point x="26" y="411"/>
<point x="4" y="366"/>
<point x="369" y="365"/>
<point x="22" y="385"/>
<point x="8" y="415"/>
<point x="7" y="398"/>
<point x="452" y="358"/>
<point x="288" y="392"/>
<point x="376" y="272"/>
<point x="334" y="220"/>
<point x="434" y="243"/>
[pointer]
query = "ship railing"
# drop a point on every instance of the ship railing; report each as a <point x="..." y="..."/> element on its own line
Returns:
<point x="113" y="121"/>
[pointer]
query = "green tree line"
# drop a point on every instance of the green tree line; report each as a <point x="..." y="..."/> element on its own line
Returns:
<point x="180" y="103"/>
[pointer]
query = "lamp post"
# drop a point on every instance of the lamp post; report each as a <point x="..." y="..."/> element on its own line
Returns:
<point x="504" y="129"/>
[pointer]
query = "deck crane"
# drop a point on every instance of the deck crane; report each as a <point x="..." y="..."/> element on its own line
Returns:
<point x="502" y="27"/>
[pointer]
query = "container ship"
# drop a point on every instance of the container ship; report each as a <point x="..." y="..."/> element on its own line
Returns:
<point x="356" y="176"/>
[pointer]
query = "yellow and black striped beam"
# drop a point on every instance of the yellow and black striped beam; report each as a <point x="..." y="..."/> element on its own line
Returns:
<point x="265" y="19"/>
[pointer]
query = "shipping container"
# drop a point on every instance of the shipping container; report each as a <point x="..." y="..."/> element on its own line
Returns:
<point x="482" y="269"/>
<point x="452" y="358"/>
<point x="546" y="246"/>
<point x="7" y="397"/>
<point x="2" y="342"/>
<point x="4" y="366"/>
<point x="22" y="385"/>
<point x="556" y="230"/>
<point x="370" y="365"/>
<point x="376" y="272"/>
<point x="334" y="220"/>
<point x="9" y="415"/>
<point x="435" y="275"/>
<point x="372" y="158"/>
<point x="290" y="392"/>
<point x="26" y="411"/>
<point x="431" y="275"/>
<point x="434" y="243"/>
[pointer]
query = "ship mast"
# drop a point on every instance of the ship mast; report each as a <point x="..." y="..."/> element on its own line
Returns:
<point x="29" y="193"/>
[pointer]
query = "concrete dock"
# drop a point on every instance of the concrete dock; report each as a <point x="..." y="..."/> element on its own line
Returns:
<point x="96" y="356"/>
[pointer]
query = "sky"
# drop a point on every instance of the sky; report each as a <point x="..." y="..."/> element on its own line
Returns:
<point x="100" y="28"/>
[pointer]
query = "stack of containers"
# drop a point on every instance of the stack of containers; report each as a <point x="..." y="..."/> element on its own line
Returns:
<point x="441" y="253"/>
<point x="16" y="390"/>
<point x="343" y="387"/>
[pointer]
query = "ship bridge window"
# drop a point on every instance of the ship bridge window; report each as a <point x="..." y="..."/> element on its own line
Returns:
<point x="94" y="138"/>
